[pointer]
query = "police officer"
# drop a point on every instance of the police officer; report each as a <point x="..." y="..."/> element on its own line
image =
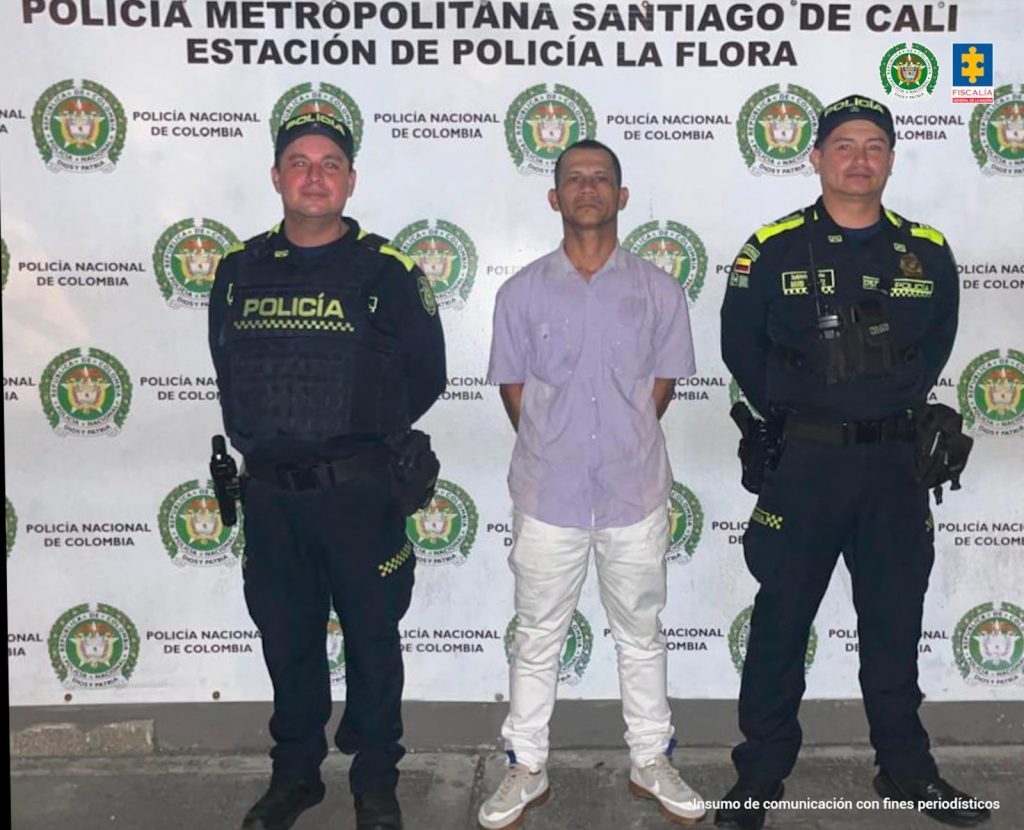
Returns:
<point x="327" y="345"/>
<point x="836" y="323"/>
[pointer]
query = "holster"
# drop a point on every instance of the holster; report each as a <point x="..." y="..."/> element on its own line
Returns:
<point x="226" y="483"/>
<point x="760" y="445"/>
<point x="414" y="469"/>
<point x="941" y="449"/>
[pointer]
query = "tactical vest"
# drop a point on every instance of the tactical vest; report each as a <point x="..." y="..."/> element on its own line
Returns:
<point x="309" y="355"/>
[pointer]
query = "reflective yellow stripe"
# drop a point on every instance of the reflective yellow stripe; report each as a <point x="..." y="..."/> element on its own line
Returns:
<point x="924" y="232"/>
<point x="768" y="231"/>
<point x="238" y="246"/>
<point x="406" y="261"/>
<point x="894" y="218"/>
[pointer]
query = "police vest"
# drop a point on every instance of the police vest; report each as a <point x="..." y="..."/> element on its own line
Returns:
<point x="309" y="356"/>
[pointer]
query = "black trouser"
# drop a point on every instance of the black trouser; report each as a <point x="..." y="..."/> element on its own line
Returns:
<point x="864" y="501"/>
<point x="303" y="551"/>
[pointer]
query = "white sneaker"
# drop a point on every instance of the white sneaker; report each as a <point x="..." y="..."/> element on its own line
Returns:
<point x="519" y="790"/>
<point x="660" y="780"/>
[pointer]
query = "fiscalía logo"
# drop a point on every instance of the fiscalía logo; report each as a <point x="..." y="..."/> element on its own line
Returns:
<point x="445" y="254"/>
<point x="94" y="647"/>
<point x="443" y="532"/>
<point x="5" y="262"/>
<point x="991" y="392"/>
<point x="989" y="644"/>
<point x="675" y="249"/>
<point x="79" y="127"/>
<point x="972" y="73"/>
<point x="739" y="635"/>
<point x="909" y="71"/>
<point x="319" y="97"/>
<point x="686" y="521"/>
<point x="85" y="392"/>
<point x="542" y="121"/>
<point x="576" y="651"/>
<point x="185" y="260"/>
<point x="997" y="132"/>
<point x="335" y="650"/>
<point x="776" y="129"/>
<point x="192" y="530"/>
<point x="12" y="524"/>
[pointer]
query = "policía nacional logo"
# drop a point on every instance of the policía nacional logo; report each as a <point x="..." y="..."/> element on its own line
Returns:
<point x="94" y="647"/>
<point x="576" y="651"/>
<point x="542" y="121"/>
<point x="443" y="532"/>
<point x="989" y="644"/>
<point x="675" y="249"/>
<point x="79" y="127"/>
<point x="997" y="132"/>
<point x="5" y="262"/>
<point x="12" y="524"/>
<point x="335" y="650"/>
<point x="319" y="97"/>
<point x="909" y="71"/>
<point x="739" y="635"/>
<point x="776" y="129"/>
<point x="85" y="392"/>
<point x="445" y="254"/>
<point x="686" y="521"/>
<point x="185" y="260"/>
<point x="991" y="392"/>
<point x="192" y="530"/>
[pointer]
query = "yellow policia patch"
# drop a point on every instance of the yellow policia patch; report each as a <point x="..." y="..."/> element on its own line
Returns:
<point x="763" y="517"/>
<point x="277" y="307"/>
<point x="912" y="288"/>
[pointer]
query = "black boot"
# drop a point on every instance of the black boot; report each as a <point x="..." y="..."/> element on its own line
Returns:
<point x="282" y="804"/>
<point x="958" y="809"/>
<point x="378" y="811"/>
<point x="744" y="817"/>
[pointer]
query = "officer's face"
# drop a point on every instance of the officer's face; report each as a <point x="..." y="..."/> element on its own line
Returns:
<point x="588" y="195"/>
<point x="854" y="161"/>
<point x="314" y="178"/>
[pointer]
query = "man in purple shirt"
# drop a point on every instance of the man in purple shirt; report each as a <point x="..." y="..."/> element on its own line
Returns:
<point x="588" y="342"/>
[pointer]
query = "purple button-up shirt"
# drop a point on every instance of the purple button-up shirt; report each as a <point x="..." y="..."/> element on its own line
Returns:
<point x="590" y="452"/>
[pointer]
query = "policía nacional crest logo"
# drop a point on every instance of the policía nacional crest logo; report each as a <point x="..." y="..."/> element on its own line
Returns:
<point x="991" y="393"/>
<point x="5" y="262"/>
<point x="192" y="530"/>
<point x="776" y="129"/>
<point x="85" y="392"/>
<point x="675" y="249"/>
<point x="445" y="254"/>
<point x="94" y="647"/>
<point x="12" y="524"/>
<point x="686" y="521"/>
<point x="185" y="260"/>
<point x="335" y="650"/>
<point x="739" y="635"/>
<point x="443" y="532"/>
<point x="909" y="71"/>
<point x="79" y="127"/>
<point x="576" y="651"/>
<point x="989" y="644"/>
<point x="997" y="132"/>
<point x="542" y="121"/>
<point x="319" y="97"/>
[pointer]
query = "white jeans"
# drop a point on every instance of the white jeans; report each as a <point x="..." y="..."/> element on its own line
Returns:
<point x="550" y="565"/>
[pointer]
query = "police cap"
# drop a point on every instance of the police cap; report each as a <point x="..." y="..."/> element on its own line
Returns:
<point x="314" y="123"/>
<point x="854" y="108"/>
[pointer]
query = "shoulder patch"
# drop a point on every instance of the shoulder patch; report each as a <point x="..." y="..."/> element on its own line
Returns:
<point x="926" y="232"/>
<point x="234" y="249"/>
<point x="387" y="250"/>
<point x="786" y="224"/>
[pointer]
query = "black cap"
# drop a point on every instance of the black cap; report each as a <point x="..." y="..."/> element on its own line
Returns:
<point x="314" y="123"/>
<point x="854" y="108"/>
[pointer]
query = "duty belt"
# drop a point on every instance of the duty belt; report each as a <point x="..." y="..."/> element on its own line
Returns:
<point x="318" y="475"/>
<point x="812" y="428"/>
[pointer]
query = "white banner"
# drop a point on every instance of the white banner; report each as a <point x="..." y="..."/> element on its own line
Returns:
<point x="135" y="144"/>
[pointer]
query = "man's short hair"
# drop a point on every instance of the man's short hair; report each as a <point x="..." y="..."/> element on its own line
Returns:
<point x="855" y="108"/>
<point x="590" y="144"/>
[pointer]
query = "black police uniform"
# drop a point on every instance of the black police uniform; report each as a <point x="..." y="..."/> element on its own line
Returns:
<point x="845" y="480"/>
<point x="321" y="352"/>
